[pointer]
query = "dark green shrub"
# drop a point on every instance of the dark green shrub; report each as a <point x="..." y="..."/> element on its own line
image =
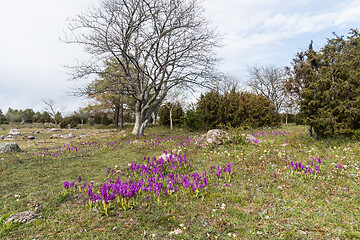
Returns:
<point x="237" y="109"/>
<point x="193" y="119"/>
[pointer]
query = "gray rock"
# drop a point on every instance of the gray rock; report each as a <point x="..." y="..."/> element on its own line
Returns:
<point x="30" y="138"/>
<point x="54" y="130"/>
<point x="55" y="136"/>
<point x="9" y="138"/>
<point x="24" y="217"/>
<point x="14" y="132"/>
<point x="9" y="147"/>
<point x="164" y="156"/>
<point x="2" y="137"/>
<point x="213" y="137"/>
<point x="68" y="136"/>
<point x="63" y="136"/>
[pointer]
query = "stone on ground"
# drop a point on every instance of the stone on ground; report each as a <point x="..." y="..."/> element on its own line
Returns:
<point x="9" y="147"/>
<point x="14" y="132"/>
<point x="213" y="137"/>
<point x="24" y="217"/>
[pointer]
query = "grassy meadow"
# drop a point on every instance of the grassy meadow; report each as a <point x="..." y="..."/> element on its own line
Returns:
<point x="283" y="186"/>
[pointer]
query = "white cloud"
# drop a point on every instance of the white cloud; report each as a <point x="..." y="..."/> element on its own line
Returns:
<point x="262" y="31"/>
<point x="257" y="30"/>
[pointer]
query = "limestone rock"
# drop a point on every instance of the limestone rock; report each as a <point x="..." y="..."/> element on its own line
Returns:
<point x="68" y="136"/>
<point x="63" y="136"/>
<point x="164" y="156"/>
<point x="55" y="136"/>
<point x="9" y="138"/>
<point x="24" y="217"/>
<point x="9" y="147"/>
<point x="14" y="132"/>
<point x="54" y="130"/>
<point x="30" y="138"/>
<point x="213" y="137"/>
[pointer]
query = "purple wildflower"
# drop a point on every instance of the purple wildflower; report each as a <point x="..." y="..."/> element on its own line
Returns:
<point x="66" y="184"/>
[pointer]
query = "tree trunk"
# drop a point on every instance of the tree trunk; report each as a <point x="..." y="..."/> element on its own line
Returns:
<point x="155" y="116"/>
<point x="122" y="115"/>
<point x="143" y="117"/>
<point x="140" y="124"/>
<point x="171" y="122"/>
<point x="116" y="117"/>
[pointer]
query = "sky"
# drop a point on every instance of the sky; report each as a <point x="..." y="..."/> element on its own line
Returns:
<point x="262" y="32"/>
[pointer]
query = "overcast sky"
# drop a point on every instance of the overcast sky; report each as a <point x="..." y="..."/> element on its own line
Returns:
<point x="265" y="32"/>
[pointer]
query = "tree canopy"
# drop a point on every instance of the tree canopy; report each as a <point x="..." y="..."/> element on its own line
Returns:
<point x="156" y="45"/>
<point x="327" y="86"/>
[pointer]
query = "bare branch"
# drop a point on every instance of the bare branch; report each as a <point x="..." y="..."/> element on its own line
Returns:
<point x="154" y="45"/>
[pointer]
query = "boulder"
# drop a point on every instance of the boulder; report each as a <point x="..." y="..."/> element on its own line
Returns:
<point x="213" y="137"/>
<point x="64" y="136"/>
<point x="55" y="136"/>
<point x="54" y="130"/>
<point x="24" y="217"/>
<point x="2" y="137"/>
<point x="9" y="147"/>
<point x="14" y="132"/>
<point x="30" y="138"/>
<point x="68" y="136"/>
<point x="165" y="155"/>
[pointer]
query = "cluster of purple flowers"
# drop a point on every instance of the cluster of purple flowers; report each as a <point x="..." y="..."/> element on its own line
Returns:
<point x="273" y="132"/>
<point x="87" y="146"/>
<point x="158" y="141"/>
<point x="300" y="167"/>
<point x="157" y="178"/>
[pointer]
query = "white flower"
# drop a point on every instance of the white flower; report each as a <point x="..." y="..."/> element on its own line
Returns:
<point x="229" y="234"/>
<point x="153" y="235"/>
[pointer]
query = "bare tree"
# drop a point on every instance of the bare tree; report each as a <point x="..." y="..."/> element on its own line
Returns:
<point x="174" y="97"/>
<point x="227" y="82"/>
<point x="268" y="81"/>
<point x="155" y="44"/>
<point x="51" y="109"/>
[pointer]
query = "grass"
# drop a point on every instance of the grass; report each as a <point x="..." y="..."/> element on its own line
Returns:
<point x="264" y="197"/>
